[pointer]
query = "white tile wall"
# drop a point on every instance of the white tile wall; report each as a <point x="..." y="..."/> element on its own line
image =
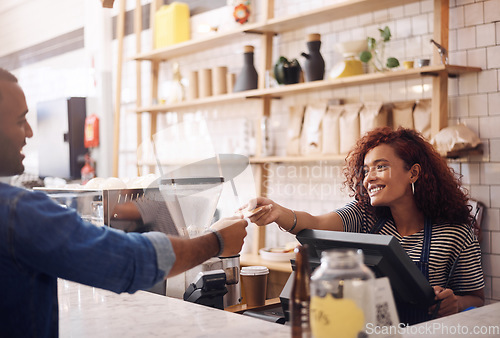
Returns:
<point x="466" y="38"/>
<point x="487" y="81"/>
<point x="485" y="35"/>
<point x="474" y="14"/>
<point x="491" y="221"/>
<point x="495" y="287"/>
<point x="488" y="127"/>
<point x="474" y="98"/>
<point x="492" y="11"/>
<point x="495" y="152"/>
<point x="494" y="103"/>
<point x="486" y="242"/>
<point x="478" y="105"/>
<point x="493" y="57"/>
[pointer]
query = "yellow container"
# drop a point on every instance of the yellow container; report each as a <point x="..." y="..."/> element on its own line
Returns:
<point x="171" y="24"/>
<point x="348" y="67"/>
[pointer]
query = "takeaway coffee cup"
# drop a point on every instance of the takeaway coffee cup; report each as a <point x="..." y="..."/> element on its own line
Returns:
<point x="254" y="279"/>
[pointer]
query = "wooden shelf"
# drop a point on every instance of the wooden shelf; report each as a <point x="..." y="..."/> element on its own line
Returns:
<point x="240" y="308"/>
<point x="195" y="45"/>
<point x="276" y="92"/>
<point x="294" y="159"/>
<point x="194" y="103"/>
<point x="321" y="15"/>
<point x="456" y="154"/>
<point x="325" y="14"/>
<point x="404" y="74"/>
<point x="255" y="259"/>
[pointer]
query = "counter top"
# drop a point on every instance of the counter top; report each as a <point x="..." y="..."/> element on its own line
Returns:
<point x="483" y="322"/>
<point x="91" y="312"/>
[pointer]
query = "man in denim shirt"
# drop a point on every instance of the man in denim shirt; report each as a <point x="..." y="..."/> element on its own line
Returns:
<point x="41" y="241"/>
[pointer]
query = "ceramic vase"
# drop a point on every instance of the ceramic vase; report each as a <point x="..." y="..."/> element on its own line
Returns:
<point x="247" y="78"/>
<point x="314" y="66"/>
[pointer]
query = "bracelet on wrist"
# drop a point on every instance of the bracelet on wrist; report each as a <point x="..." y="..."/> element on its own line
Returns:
<point x="294" y="223"/>
<point x="220" y="240"/>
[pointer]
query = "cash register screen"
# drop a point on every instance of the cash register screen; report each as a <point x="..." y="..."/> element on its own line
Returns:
<point x="383" y="254"/>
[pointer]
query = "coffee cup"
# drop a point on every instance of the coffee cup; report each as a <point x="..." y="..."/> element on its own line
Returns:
<point x="408" y="64"/>
<point x="254" y="280"/>
<point x="422" y="63"/>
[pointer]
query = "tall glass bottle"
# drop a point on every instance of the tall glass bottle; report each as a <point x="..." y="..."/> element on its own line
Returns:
<point x="341" y="295"/>
<point x="300" y="296"/>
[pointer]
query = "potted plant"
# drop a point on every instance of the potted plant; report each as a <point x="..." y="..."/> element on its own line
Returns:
<point x="374" y="56"/>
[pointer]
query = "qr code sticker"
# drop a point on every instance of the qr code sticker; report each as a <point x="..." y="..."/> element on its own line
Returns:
<point x="384" y="315"/>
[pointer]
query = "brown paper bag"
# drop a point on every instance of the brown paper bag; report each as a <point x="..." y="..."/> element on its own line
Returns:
<point x="295" y="120"/>
<point x="372" y="115"/>
<point x="455" y="138"/>
<point x="311" y="138"/>
<point x="422" y="118"/>
<point x="331" y="130"/>
<point x="402" y="114"/>
<point x="349" y="126"/>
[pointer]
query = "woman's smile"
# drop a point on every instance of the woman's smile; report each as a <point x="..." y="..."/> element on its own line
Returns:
<point x="386" y="178"/>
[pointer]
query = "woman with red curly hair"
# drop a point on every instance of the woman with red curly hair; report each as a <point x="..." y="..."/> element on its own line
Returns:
<point x="403" y="188"/>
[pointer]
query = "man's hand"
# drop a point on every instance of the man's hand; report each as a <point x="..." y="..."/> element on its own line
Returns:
<point x="233" y="232"/>
<point x="190" y="252"/>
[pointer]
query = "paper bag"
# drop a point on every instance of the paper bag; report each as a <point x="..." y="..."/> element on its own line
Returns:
<point x="331" y="130"/>
<point x="402" y="114"/>
<point x="296" y="117"/>
<point x="455" y="138"/>
<point x="349" y="126"/>
<point x="311" y="138"/>
<point x="372" y="115"/>
<point x="422" y="118"/>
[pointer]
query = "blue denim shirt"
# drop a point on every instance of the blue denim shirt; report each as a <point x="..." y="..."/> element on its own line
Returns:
<point x="41" y="241"/>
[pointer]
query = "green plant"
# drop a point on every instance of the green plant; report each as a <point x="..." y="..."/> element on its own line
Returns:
<point x="287" y="72"/>
<point x="376" y="50"/>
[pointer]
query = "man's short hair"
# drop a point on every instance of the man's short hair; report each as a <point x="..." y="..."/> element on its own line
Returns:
<point x="7" y="76"/>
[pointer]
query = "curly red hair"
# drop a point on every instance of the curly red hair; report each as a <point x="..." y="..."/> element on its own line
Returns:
<point x="438" y="192"/>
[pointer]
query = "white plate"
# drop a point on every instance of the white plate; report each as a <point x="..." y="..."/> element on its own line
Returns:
<point x="276" y="256"/>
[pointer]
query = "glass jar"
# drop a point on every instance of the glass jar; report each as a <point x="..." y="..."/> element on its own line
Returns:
<point x="341" y="295"/>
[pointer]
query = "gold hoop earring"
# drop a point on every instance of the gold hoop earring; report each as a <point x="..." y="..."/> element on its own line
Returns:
<point x="413" y="188"/>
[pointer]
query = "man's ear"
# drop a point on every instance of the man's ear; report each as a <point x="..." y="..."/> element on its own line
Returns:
<point x="415" y="172"/>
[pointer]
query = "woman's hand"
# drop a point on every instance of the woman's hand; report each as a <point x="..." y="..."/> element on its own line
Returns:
<point x="449" y="301"/>
<point x="288" y="219"/>
<point x="267" y="211"/>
